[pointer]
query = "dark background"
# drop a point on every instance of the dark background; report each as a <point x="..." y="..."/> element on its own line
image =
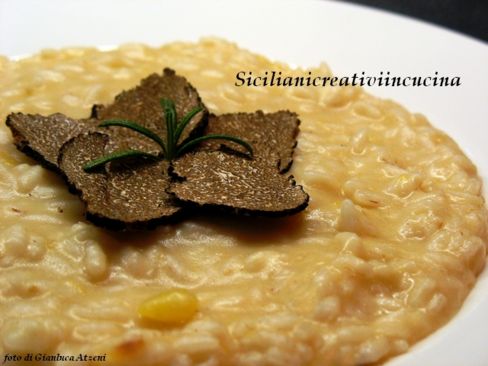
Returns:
<point x="469" y="17"/>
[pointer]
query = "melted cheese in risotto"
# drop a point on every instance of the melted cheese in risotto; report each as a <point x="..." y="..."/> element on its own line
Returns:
<point x="388" y="249"/>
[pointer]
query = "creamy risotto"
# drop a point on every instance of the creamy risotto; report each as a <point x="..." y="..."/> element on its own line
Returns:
<point x="389" y="247"/>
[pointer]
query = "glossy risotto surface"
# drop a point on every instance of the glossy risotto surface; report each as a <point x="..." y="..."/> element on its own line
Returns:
<point x="388" y="249"/>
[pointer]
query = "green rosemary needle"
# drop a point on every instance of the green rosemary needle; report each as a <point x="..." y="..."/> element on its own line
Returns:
<point x="136" y="127"/>
<point x="94" y="164"/>
<point x="187" y="146"/>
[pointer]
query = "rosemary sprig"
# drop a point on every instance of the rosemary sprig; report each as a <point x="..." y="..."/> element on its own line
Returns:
<point x="171" y="149"/>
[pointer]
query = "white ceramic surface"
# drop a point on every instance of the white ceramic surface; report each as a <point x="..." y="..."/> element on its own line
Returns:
<point x="349" y="38"/>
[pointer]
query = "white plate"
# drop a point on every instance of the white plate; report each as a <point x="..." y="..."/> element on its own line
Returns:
<point x="349" y="38"/>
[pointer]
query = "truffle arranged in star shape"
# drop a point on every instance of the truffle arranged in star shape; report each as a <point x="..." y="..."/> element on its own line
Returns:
<point x="148" y="188"/>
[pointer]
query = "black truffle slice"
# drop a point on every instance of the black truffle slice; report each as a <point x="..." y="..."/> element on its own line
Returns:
<point x="41" y="137"/>
<point x="215" y="179"/>
<point x="117" y="197"/>
<point x="142" y="105"/>
<point x="272" y="135"/>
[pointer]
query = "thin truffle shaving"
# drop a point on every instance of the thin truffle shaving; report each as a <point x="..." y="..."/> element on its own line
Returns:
<point x="273" y="135"/>
<point x="142" y="105"/>
<point x="128" y="194"/>
<point x="245" y="186"/>
<point x="41" y="137"/>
